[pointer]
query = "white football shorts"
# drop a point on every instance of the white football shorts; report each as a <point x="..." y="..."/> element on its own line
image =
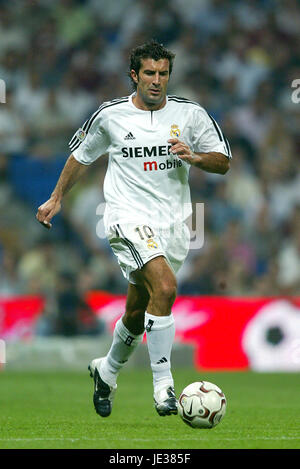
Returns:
<point x="134" y="245"/>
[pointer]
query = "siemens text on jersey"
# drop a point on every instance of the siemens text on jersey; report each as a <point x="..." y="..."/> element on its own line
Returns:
<point x="154" y="151"/>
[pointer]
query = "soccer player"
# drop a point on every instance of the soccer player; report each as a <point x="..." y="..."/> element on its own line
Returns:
<point x="152" y="140"/>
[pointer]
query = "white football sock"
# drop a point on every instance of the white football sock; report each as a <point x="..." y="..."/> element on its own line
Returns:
<point x="123" y="344"/>
<point x="160" y="332"/>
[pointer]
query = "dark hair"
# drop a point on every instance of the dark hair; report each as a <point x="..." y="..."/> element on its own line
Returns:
<point x="150" y="50"/>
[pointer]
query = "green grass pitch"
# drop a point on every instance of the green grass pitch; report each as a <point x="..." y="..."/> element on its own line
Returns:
<point x="55" y="410"/>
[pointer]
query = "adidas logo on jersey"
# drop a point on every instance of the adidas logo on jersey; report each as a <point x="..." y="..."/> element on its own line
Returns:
<point x="129" y="136"/>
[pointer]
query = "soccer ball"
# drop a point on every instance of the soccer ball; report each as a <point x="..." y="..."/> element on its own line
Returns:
<point x="202" y="405"/>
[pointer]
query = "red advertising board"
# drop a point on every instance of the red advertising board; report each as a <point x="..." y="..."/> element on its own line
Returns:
<point x="227" y="333"/>
<point x="18" y="316"/>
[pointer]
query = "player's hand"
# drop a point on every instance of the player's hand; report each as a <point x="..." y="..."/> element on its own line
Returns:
<point x="47" y="211"/>
<point x="182" y="150"/>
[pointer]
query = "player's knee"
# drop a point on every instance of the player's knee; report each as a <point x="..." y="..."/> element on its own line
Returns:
<point x="167" y="290"/>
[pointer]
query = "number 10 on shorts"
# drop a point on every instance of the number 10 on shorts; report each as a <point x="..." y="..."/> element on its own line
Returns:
<point x="145" y="232"/>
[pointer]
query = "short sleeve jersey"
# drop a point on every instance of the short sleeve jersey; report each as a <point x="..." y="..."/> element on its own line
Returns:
<point x="145" y="182"/>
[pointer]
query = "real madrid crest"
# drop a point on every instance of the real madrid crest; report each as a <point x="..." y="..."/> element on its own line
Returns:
<point x="151" y="244"/>
<point x="175" y="132"/>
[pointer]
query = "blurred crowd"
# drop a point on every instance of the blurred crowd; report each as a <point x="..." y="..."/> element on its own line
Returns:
<point x="60" y="59"/>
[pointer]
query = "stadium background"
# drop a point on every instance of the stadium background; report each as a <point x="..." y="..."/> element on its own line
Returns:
<point x="60" y="60"/>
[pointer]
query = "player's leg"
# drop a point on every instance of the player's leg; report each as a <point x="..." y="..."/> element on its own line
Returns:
<point x="160" y="329"/>
<point x="155" y="290"/>
<point x="128" y="334"/>
<point x="136" y="305"/>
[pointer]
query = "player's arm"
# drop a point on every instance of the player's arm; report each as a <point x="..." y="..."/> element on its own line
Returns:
<point x="212" y="162"/>
<point x="71" y="172"/>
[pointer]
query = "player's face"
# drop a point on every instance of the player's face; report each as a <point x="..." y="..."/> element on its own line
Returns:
<point x="152" y="82"/>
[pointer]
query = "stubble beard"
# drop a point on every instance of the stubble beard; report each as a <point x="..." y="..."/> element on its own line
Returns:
<point x="153" y="101"/>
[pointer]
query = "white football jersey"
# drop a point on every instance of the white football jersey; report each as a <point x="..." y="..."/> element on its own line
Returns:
<point x="144" y="182"/>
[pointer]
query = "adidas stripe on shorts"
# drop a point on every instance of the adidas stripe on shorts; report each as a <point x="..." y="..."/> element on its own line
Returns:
<point x="135" y="245"/>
